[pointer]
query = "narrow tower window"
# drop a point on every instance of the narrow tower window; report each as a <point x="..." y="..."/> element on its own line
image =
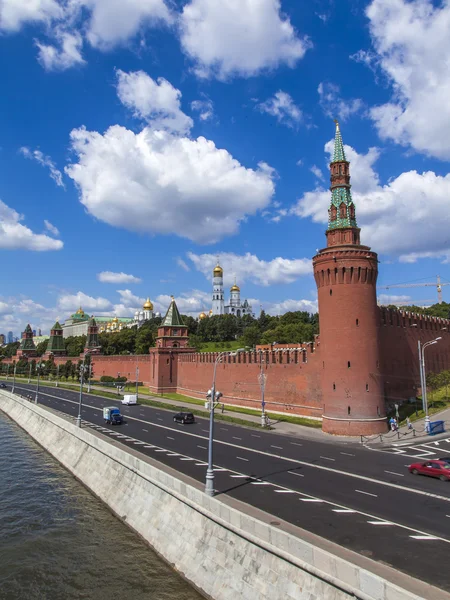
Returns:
<point x="357" y="322"/>
<point x="367" y="387"/>
<point x="348" y="364"/>
<point x="331" y="292"/>
<point x="349" y="410"/>
<point x="334" y="386"/>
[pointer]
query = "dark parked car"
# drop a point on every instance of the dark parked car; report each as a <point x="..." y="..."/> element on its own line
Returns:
<point x="3" y="386"/>
<point x="184" y="418"/>
<point x="445" y="459"/>
<point x="432" y="468"/>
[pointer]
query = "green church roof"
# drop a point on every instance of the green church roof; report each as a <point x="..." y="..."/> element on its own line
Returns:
<point x="56" y="327"/>
<point x="339" y="154"/>
<point x="173" y="317"/>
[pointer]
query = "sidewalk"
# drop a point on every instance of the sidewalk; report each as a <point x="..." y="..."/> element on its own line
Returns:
<point x="416" y="435"/>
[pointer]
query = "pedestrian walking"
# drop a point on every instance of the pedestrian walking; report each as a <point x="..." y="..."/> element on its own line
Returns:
<point x="395" y="424"/>
<point x="392" y="423"/>
<point x="408" y="423"/>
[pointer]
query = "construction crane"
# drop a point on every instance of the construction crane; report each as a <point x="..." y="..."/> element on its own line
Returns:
<point x="438" y="285"/>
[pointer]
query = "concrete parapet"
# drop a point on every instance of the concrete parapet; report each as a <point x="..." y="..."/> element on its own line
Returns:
<point x="228" y="554"/>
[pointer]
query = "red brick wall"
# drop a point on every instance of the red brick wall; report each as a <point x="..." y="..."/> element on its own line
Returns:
<point x="292" y="385"/>
<point x="399" y="335"/>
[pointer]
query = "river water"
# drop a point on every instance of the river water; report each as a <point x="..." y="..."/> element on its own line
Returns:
<point x="58" y="542"/>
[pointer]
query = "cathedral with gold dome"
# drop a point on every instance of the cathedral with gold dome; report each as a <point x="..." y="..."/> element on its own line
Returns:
<point x="235" y="306"/>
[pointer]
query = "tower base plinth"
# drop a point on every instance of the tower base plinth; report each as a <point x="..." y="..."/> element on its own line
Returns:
<point x="354" y="427"/>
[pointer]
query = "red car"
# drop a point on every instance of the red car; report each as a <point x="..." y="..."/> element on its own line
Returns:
<point x="433" y="468"/>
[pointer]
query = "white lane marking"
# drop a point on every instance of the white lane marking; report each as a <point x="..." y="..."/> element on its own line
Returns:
<point x="240" y="458"/>
<point x="162" y="450"/>
<point x="113" y="433"/>
<point x="187" y="458"/>
<point x="173" y="454"/>
<point x="277" y="447"/>
<point x="343" y="510"/>
<point x="393" y="473"/>
<point x="297" y="474"/>
<point x="140" y="443"/>
<point x="311" y="500"/>
<point x="285" y="491"/>
<point x="239" y="476"/>
<point x="448" y="516"/>
<point x="327" y="458"/>
<point x="291" y="460"/>
<point x="159" y="419"/>
<point x="423" y="537"/>
<point x="170" y="438"/>
<point x="261" y="483"/>
<point x="224" y="429"/>
<point x="205" y="430"/>
<point x="366" y="493"/>
<point x="202" y="447"/>
<point x="380" y="523"/>
<point x="220" y="469"/>
<point x="201" y="464"/>
<point x="346" y="454"/>
<point x="145" y="430"/>
<point x="236" y="438"/>
<point x="295" y="444"/>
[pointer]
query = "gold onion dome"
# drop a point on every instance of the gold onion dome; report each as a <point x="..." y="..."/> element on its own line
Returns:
<point x="235" y="288"/>
<point x="80" y="311"/>
<point x="218" y="271"/>
<point x="202" y="315"/>
<point x="115" y="320"/>
<point x="211" y="312"/>
<point x="148" y="305"/>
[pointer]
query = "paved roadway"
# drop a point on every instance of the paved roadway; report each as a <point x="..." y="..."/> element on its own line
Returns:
<point x="362" y="499"/>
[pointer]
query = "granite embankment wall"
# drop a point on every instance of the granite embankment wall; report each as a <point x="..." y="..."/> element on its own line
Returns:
<point x="229" y="554"/>
<point x="292" y="379"/>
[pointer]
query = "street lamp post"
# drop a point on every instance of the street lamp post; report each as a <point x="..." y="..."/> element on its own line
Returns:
<point x="57" y="375"/>
<point x="80" y="401"/>
<point x="7" y="372"/>
<point x="212" y="396"/>
<point x="14" y="380"/>
<point x="137" y="378"/>
<point x="262" y="378"/>
<point x="88" y="368"/>
<point x="423" y="379"/>
<point x="29" y="373"/>
<point x="38" y="377"/>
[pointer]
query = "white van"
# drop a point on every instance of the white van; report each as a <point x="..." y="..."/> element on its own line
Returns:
<point x="129" y="399"/>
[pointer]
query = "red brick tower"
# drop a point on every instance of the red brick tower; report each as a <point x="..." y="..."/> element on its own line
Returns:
<point x="346" y="275"/>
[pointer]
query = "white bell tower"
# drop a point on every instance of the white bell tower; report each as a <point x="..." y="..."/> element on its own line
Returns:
<point x="218" y="302"/>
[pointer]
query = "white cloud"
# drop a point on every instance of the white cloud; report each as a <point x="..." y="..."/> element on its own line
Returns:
<point x="71" y="302"/>
<point x="130" y="300"/>
<point x="158" y="102"/>
<point x="15" y="236"/>
<point x="239" y="37"/>
<point x="250" y="267"/>
<point x="299" y="163"/>
<point x="65" y="54"/>
<point x="411" y="39"/>
<point x="189" y="303"/>
<point x="158" y="183"/>
<point x="333" y="105"/>
<point x="385" y="299"/>
<point x="104" y="24"/>
<point x="16" y="13"/>
<point x="279" y="308"/>
<point x="205" y="107"/>
<point x="114" y="22"/>
<point x="181" y="263"/>
<point x="45" y="161"/>
<point x="111" y="277"/>
<point x="282" y="106"/>
<point x="386" y="212"/>
<point x="51" y="228"/>
<point x="317" y="172"/>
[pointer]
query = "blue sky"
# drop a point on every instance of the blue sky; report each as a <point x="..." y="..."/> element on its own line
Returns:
<point x="142" y="139"/>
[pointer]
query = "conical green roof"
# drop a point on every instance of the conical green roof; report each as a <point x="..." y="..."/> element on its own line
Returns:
<point x="173" y="317"/>
<point x="339" y="153"/>
<point x="92" y="322"/>
<point x="56" y="327"/>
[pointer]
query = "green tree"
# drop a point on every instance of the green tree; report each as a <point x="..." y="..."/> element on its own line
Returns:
<point x="432" y="382"/>
<point x="145" y="338"/>
<point x="252" y="336"/>
<point x="41" y="348"/>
